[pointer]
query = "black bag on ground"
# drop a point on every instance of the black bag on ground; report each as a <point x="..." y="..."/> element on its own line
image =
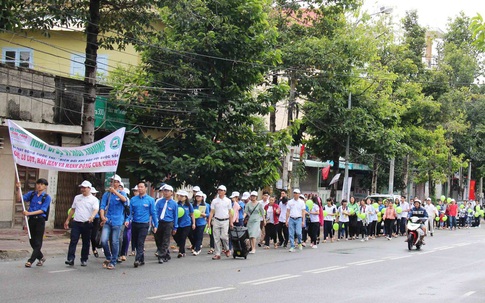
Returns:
<point x="240" y="241"/>
<point x="97" y="240"/>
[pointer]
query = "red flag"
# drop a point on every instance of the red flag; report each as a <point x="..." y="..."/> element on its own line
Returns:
<point x="302" y="150"/>
<point x="471" y="193"/>
<point x="325" y="172"/>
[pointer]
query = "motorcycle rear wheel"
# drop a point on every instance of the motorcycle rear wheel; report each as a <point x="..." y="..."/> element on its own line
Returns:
<point x="410" y="241"/>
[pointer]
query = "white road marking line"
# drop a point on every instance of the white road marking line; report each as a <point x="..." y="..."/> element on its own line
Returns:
<point x="276" y="280"/>
<point x="444" y="248"/>
<point x="185" y="293"/>
<point x="427" y="252"/>
<point x="462" y="244"/>
<point x="329" y="269"/>
<point x="319" y="269"/>
<point x="64" y="270"/>
<point x="370" y="262"/>
<point x="363" y="261"/>
<point x="264" y="279"/>
<point x="469" y="293"/>
<point x="197" y="294"/>
<point x="400" y="257"/>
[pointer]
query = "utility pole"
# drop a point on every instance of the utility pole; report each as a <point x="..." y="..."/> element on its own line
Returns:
<point x="345" y="188"/>
<point x="391" y="176"/>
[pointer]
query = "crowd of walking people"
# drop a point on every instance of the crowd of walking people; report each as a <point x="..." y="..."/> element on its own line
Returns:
<point x="117" y="222"/>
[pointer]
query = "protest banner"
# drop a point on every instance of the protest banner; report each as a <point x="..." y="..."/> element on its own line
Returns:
<point x="100" y="156"/>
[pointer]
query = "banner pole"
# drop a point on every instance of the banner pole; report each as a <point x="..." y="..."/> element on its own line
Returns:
<point x="22" y="199"/>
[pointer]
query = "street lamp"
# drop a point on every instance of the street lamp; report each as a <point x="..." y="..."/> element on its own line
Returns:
<point x="346" y="187"/>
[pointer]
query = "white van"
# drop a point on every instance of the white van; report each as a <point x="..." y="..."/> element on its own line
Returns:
<point x="376" y="197"/>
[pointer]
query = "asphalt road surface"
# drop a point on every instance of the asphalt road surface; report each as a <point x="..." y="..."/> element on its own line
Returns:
<point x="450" y="268"/>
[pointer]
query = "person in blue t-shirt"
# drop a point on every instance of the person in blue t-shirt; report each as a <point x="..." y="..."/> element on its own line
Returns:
<point x="200" y="222"/>
<point x="186" y="221"/>
<point x="142" y="208"/>
<point x="37" y="213"/>
<point x="112" y="213"/>
<point x="167" y="214"/>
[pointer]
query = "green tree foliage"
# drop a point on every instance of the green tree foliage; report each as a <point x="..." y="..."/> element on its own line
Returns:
<point x="209" y="56"/>
<point x="477" y="26"/>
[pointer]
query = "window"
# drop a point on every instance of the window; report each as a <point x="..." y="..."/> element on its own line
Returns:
<point x="21" y="57"/>
<point x="77" y="65"/>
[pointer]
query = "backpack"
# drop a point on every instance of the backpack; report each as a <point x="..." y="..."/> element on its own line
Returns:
<point x="32" y="193"/>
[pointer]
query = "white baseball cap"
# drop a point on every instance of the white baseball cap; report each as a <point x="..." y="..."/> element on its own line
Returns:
<point x="302" y="197"/>
<point x="116" y="178"/>
<point x="234" y="194"/>
<point x="86" y="184"/>
<point x="181" y="193"/>
<point x="222" y="187"/>
<point x="94" y="191"/>
<point x="126" y="190"/>
<point x="166" y="187"/>
<point x="135" y="188"/>
<point x="199" y="194"/>
<point x="122" y="184"/>
<point x="254" y="193"/>
<point x="245" y="195"/>
<point x="196" y="188"/>
<point x="296" y="191"/>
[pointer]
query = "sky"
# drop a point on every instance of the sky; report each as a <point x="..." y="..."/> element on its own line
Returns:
<point x="431" y="13"/>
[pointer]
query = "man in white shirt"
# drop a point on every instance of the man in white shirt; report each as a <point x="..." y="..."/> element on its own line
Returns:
<point x="263" y="202"/>
<point x="85" y="207"/>
<point x="295" y="213"/>
<point x="221" y="213"/>
<point x="432" y="213"/>
<point x="406" y="207"/>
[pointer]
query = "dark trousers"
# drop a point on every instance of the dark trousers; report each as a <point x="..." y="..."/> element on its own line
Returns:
<point x="83" y="230"/>
<point x="327" y="229"/>
<point x="372" y="228"/>
<point x="314" y="230"/>
<point x="94" y="233"/>
<point x="270" y="233"/>
<point x="353" y="230"/>
<point x="127" y="233"/>
<point x="37" y="228"/>
<point x="163" y="239"/>
<point x="198" y="235"/>
<point x="388" y="223"/>
<point x="212" y="242"/>
<point x="402" y="225"/>
<point x="181" y="237"/>
<point x="362" y="228"/>
<point x="139" y="232"/>
<point x="282" y="233"/>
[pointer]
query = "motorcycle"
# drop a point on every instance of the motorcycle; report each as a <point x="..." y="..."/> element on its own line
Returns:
<point x="414" y="232"/>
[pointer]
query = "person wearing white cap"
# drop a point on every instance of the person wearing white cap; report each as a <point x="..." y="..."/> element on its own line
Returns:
<point x="294" y="219"/>
<point x="167" y="214"/>
<point x="126" y="231"/>
<point x="186" y="221"/>
<point x="432" y="213"/>
<point x="112" y="213"/>
<point x="254" y="212"/>
<point x="236" y="207"/>
<point x="85" y="207"/>
<point x="200" y="222"/>
<point x="135" y="191"/>
<point x="222" y="215"/>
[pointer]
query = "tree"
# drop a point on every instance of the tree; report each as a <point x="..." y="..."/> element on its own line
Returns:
<point x="477" y="26"/>
<point x="108" y="24"/>
<point x="210" y="56"/>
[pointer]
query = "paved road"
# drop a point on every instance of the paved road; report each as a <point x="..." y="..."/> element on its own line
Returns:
<point x="449" y="267"/>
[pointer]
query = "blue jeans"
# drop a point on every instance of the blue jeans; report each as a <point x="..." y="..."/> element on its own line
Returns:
<point x="452" y="222"/>
<point x="111" y="233"/>
<point x="294" y="226"/>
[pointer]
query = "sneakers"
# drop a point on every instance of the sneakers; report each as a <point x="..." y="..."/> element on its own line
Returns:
<point x="180" y="255"/>
<point x="362" y="240"/>
<point x="292" y="249"/>
<point x="388" y="238"/>
<point x="84" y="263"/>
<point x="314" y="246"/>
<point x="69" y="262"/>
<point x="136" y="264"/>
<point x="300" y="247"/>
<point x="196" y="252"/>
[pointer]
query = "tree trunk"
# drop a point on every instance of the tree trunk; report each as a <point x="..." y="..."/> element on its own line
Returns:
<point x="374" y="175"/>
<point x="291" y="100"/>
<point x="92" y="31"/>
<point x="405" y="175"/>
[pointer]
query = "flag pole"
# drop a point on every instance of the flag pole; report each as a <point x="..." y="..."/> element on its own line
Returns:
<point x="22" y="199"/>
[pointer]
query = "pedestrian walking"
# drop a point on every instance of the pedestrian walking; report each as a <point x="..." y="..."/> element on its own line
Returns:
<point x="85" y="207"/>
<point x="282" y="227"/>
<point x="167" y="214"/>
<point x="343" y="220"/>
<point x="201" y="222"/>
<point x="254" y="212"/>
<point x="221" y="219"/>
<point x="272" y="211"/>
<point x="37" y="214"/>
<point x="113" y="217"/>
<point x="295" y="214"/>
<point x="142" y="208"/>
<point x="186" y="221"/>
<point x="389" y="217"/>
<point x="353" y="212"/>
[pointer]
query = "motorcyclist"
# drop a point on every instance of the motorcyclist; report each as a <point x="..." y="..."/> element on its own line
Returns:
<point x="420" y="212"/>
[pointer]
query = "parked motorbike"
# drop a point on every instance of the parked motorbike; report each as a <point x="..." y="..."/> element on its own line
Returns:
<point x="414" y="232"/>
